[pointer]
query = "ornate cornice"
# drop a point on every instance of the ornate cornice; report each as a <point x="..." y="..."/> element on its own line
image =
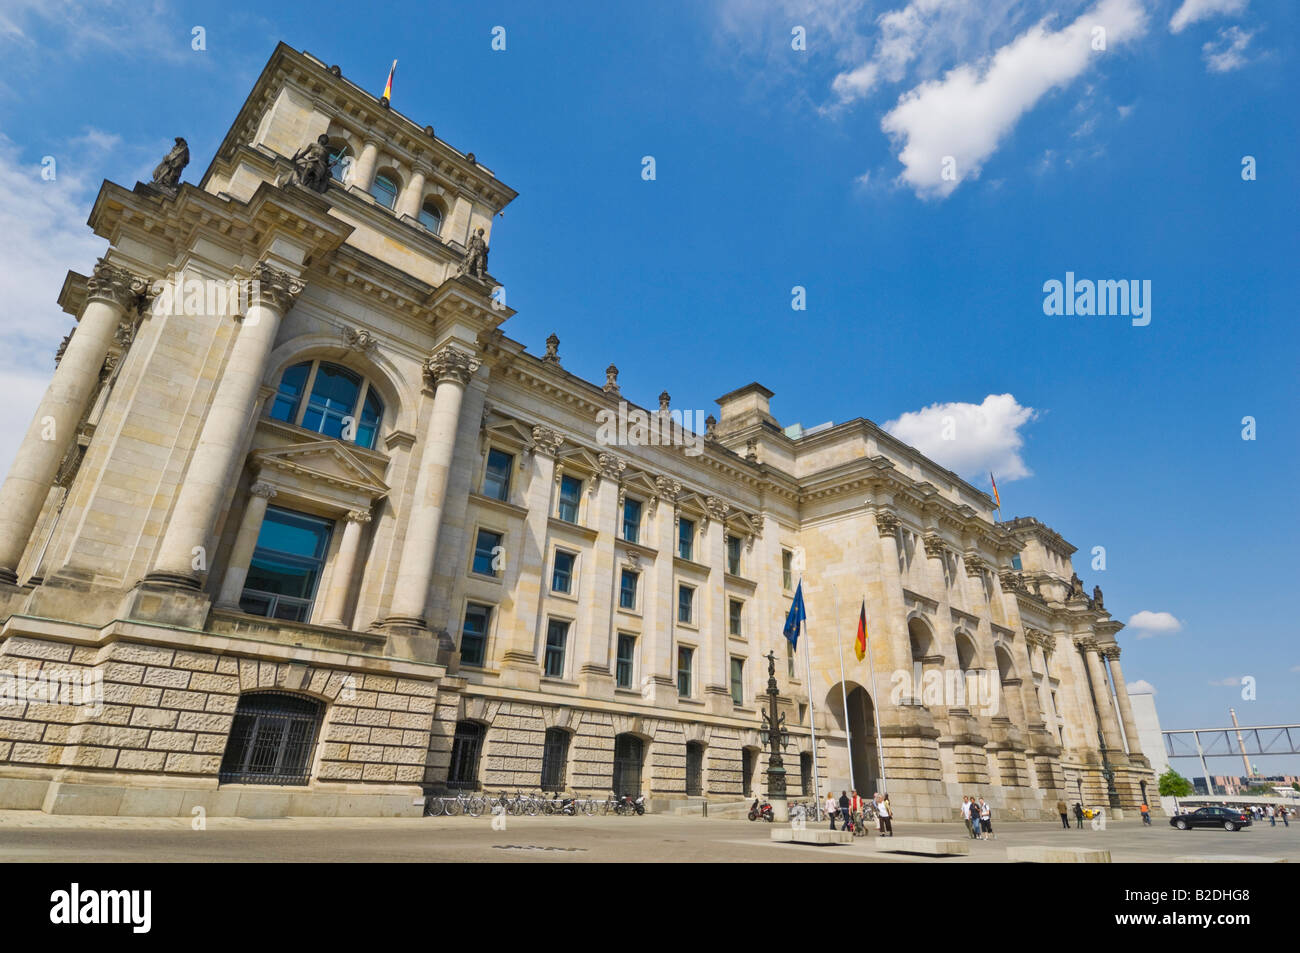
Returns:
<point x="272" y="288"/>
<point x="450" y="364"/>
<point x="117" y="286"/>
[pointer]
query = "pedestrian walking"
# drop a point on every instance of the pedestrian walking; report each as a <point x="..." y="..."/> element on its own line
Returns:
<point x="846" y="819"/>
<point x="1078" y="816"/>
<point x="886" y="817"/>
<point x="965" y="814"/>
<point x="1285" y="814"/>
<point x="1272" y="818"/>
<point x="977" y="831"/>
<point x="986" y="818"/>
<point x="1061" y="809"/>
<point x="855" y="811"/>
<point x="1146" y="813"/>
<point x="831" y="807"/>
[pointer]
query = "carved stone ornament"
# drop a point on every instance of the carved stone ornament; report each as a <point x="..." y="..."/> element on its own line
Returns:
<point x="975" y="565"/>
<point x="359" y="339"/>
<point x="167" y="174"/>
<point x="264" y="490"/>
<point x="1086" y="642"/>
<point x="311" y="165"/>
<point x="552" y="355"/>
<point x="664" y="401"/>
<point x="710" y="427"/>
<point x="668" y="488"/>
<point x="475" y="262"/>
<point x="611" y="380"/>
<point x="886" y="523"/>
<point x="751" y="450"/>
<point x="632" y="558"/>
<point x="450" y="364"/>
<point x="1096" y="598"/>
<point x="1110" y="651"/>
<point x="63" y="346"/>
<point x="717" y="509"/>
<point x="611" y="467"/>
<point x="934" y="545"/>
<point x="358" y="516"/>
<point x="1011" y="581"/>
<point x="546" y="441"/>
<point x="115" y="285"/>
<point x="273" y="288"/>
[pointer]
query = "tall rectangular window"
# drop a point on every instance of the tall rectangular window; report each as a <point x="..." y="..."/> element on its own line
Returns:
<point x="686" y="539"/>
<point x="738" y="681"/>
<point x="570" y="497"/>
<point x="627" y="589"/>
<point x="626" y="662"/>
<point x="286" y="565"/>
<point x="562" y="576"/>
<point x="789" y="658"/>
<point x="486" y="550"/>
<point x="632" y="520"/>
<point x="787" y="570"/>
<point x="557" y="634"/>
<point x="735" y="612"/>
<point x="473" y="634"/>
<point x="685" y="603"/>
<point x="684" y="658"/>
<point x="733" y="555"/>
<point x="496" y="478"/>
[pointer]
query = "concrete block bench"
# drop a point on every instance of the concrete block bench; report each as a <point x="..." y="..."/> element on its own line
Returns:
<point x="1057" y="855"/>
<point x="1231" y="859"/>
<point x="811" y="835"/>
<point x="929" y="846"/>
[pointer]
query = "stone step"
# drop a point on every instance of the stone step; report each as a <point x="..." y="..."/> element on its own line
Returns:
<point x="1040" y="854"/>
<point x="811" y="835"/>
<point x="928" y="846"/>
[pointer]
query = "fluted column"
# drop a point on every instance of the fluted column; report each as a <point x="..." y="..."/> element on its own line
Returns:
<point x="241" y="554"/>
<point x="408" y="203"/>
<point x="1101" y="695"/>
<point x="449" y="369"/>
<point x="1111" y="654"/>
<point x="341" y="579"/>
<point x="224" y="431"/>
<point x="111" y="292"/>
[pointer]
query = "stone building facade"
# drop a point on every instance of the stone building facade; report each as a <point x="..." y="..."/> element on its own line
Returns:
<point x="297" y="529"/>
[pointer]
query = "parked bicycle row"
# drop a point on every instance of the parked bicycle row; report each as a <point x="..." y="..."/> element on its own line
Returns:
<point x="519" y="804"/>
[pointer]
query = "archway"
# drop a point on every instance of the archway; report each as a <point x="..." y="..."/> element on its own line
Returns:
<point x="861" y="726"/>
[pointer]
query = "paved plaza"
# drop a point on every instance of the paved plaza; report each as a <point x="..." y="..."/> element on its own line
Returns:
<point x="27" y="836"/>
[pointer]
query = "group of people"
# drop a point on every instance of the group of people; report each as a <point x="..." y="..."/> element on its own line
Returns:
<point x="1079" y="814"/>
<point x="1274" y="814"/>
<point x="978" y="817"/>
<point x="854" y="812"/>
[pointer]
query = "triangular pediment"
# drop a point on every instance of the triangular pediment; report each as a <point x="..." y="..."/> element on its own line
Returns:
<point x="328" y="461"/>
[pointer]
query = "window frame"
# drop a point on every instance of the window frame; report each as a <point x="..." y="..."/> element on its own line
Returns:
<point x="736" y="618"/>
<point x="686" y="542"/>
<point x="577" y="498"/>
<point x="624" y="573"/>
<point x="474" y="555"/>
<point x="640" y="512"/>
<point x="487" y="470"/>
<point x="629" y="661"/>
<point x="734" y="565"/>
<point x="563" y="649"/>
<point x="690" y="604"/>
<point x="737" y="679"/>
<point x="688" y="671"/>
<point x="555" y="570"/>
<point x="392" y="179"/>
<point x="304" y="399"/>
<point x="488" y="611"/>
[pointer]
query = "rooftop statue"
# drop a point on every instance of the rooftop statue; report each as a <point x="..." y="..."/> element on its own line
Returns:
<point x="167" y="174"/>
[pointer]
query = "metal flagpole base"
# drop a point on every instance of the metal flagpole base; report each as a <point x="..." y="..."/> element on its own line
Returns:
<point x="780" y="810"/>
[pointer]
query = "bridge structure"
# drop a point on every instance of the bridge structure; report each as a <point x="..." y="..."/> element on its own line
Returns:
<point x="1235" y="741"/>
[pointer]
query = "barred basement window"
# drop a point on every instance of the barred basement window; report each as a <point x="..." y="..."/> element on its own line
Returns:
<point x="694" y="769"/>
<point x="271" y="739"/>
<point x="555" y="753"/>
<point x="466" y="746"/>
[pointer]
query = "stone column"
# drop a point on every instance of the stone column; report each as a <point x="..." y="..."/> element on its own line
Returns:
<point x="241" y="554"/>
<point x="363" y="170"/>
<point x="714" y="620"/>
<point x="408" y="203"/>
<point x="1101" y="695"/>
<point x="225" y="431"/>
<point x="595" y="677"/>
<point x="658" y="656"/>
<point x="341" y="579"/>
<point x="1111" y="653"/>
<point x="111" y="292"/>
<point x="449" y="370"/>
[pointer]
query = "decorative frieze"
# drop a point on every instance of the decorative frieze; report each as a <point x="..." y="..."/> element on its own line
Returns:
<point x="611" y="467"/>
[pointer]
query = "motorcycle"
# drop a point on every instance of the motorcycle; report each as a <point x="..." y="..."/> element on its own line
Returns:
<point x="764" y="811"/>
<point x="629" y="805"/>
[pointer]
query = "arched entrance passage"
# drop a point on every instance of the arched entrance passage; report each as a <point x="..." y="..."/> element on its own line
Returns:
<point x="862" y="733"/>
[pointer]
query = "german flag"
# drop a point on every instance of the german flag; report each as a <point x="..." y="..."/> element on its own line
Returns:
<point x="860" y="645"/>
<point x="388" y="87"/>
<point x="991" y="480"/>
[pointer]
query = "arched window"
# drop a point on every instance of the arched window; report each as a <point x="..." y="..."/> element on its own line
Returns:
<point x="385" y="188"/>
<point x="431" y="216"/>
<point x="271" y="739"/>
<point x="338" y="402"/>
<point x="341" y="159"/>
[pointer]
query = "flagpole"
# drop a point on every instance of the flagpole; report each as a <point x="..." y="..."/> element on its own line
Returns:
<point x="880" y="744"/>
<point x="844" y="696"/>
<point x="812" y="709"/>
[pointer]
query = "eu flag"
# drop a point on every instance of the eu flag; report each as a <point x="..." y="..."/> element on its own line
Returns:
<point x="795" y="617"/>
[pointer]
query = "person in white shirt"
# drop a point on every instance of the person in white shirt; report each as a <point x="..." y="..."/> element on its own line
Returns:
<point x="965" y="814"/>
<point x="886" y="816"/>
<point x="986" y="822"/>
<point x="832" y="807"/>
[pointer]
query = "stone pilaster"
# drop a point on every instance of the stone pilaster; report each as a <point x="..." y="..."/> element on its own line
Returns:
<point x="336" y="598"/>
<point x="713" y="609"/>
<point x="241" y="554"/>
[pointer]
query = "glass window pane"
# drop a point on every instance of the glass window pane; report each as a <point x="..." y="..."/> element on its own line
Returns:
<point x="631" y="520"/>
<point x="733" y="555"/>
<point x="562" y="577"/>
<point x="556" y="634"/>
<point x="333" y="397"/>
<point x="623" y="669"/>
<point x="431" y="217"/>
<point x="627" y="590"/>
<point x="285" y="405"/>
<point x="685" y="598"/>
<point x="683" y="670"/>
<point x="473" y="634"/>
<point x="286" y="565"/>
<point x="738" y="681"/>
<point x="487" y="548"/>
<point x="685" y="539"/>
<point x="372" y="412"/>
<point x="736" y="610"/>
<point x="385" y="191"/>
<point x="496" y="479"/>
<point x="570" y="496"/>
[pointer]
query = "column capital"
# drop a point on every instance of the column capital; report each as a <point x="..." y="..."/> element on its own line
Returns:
<point x="264" y="490"/>
<point x="358" y="516"/>
<point x="715" y="509"/>
<point x="611" y="466"/>
<point x="935" y="547"/>
<point x="1110" y="652"/>
<point x="975" y="564"/>
<point x="546" y="441"/>
<point x="274" y="288"/>
<point x="450" y="364"/>
<point x="886" y="523"/>
<point x="115" y="285"/>
<point x="1085" y="642"/>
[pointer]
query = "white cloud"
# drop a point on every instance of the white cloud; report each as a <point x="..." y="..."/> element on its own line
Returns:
<point x="1227" y="51"/>
<point x="946" y="129"/>
<point x="1141" y="687"/>
<point x="1229" y="682"/>
<point x="972" y="440"/>
<point x="1149" y="623"/>
<point x="1193" y="11"/>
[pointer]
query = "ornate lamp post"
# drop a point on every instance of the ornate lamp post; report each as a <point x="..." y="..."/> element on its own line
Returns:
<point x="774" y="735"/>
<point x="1109" y="774"/>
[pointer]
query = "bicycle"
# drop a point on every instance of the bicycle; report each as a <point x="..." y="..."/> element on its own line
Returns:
<point x="463" y="804"/>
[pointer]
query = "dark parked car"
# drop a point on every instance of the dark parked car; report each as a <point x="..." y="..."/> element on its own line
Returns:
<point x="1227" y="818"/>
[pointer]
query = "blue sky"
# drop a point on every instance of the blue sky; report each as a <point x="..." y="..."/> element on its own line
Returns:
<point x="823" y="168"/>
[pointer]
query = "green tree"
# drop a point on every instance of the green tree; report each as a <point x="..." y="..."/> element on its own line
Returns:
<point x="1173" y="784"/>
